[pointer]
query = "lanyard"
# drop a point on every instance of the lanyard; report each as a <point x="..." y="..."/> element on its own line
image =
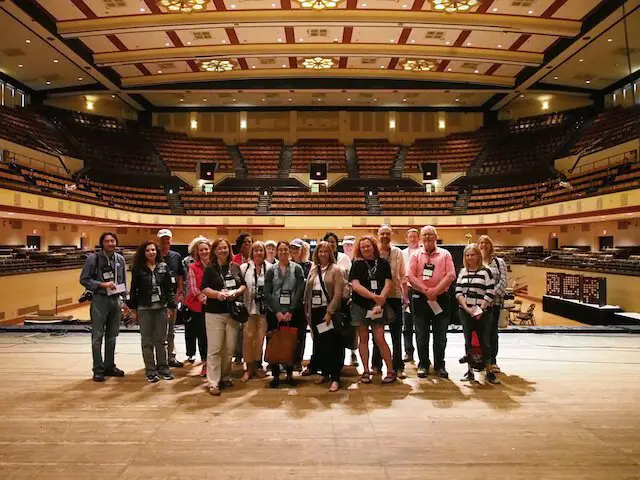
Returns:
<point x="114" y="267"/>
<point x="372" y="271"/>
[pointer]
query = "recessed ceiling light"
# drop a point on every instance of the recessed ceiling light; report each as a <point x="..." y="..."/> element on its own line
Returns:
<point x="364" y="5"/>
<point x="182" y="99"/>
<point x="233" y="5"/>
<point x="80" y="78"/>
<point x="335" y="39"/>
<point x="476" y="71"/>
<point x="499" y="46"/>
<point x="55" y="60"/>
<point x="447" y="43"/>
<point x="530" y="12"/>
<point x="28" y="41"/>
<point x="581" y="60"/>
<point x="142" y="9"/>
<point x="273" y="5"/>
<point x="375" y="99"/>
<point x="609" y="39"/>
<point x="113" y="96"/>
<point x="289" y="99"/>
<point x="413" y="41"/>
<point x="48" y="82"/>
<point x="588" y="81"/>
<point x="404" y="6"/>
<point x="555" y="78"/>
<point x="449" y="70"/>
<point x="20" y="66"/>
<point x="159" y="71"/>
<point x="167" y="44"/>
<point x="224" y="41"/>
<point x="233" y="100"/>
<point x="284" y="66"/>
<point x="404" y="99"/>
<point x="279" y="39"/>
<point x="204" y="99"/>
<point x="348" y="99"/>
<point x="457" y="99"/>
<point x="468" y="44"/>
<point x="188" y="43"/>
<point x="301" y="40"/>
<point x="391" y="40"/>
<point x="495" y="9"/>
<point x="264" y="99"/>
<point x="522" y="95"/>
<point x="253" y="66"/>
<point x="381" y="66"/>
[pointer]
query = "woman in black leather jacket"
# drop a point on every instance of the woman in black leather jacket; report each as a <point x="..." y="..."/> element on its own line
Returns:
<point x="150" y="296"/>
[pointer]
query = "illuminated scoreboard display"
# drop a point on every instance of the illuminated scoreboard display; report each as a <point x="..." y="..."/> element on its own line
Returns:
<point x="554" y="284"/>
<point x="571" y="287"/>
<point x="594" y="290"/>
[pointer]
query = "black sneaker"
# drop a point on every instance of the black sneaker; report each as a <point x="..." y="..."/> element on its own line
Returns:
<point x="423" y="372"/>
<point x="153" y="378"/>
<point x="297" y="367"/>
<point x="114" y="372"/>
<point x="292" y="382"/>
<point x="98" y="377"/>
<point x="468" y="377"/>
<point x="274" y="383"/>
<point x="408" y="358"/>
<point x="492" y="379"/>
<point x="166" y="375"/>
<point x="190" y="360"/>
<point x="175" y="363"/>
<point x="442" y="373"/>
<point x="354" y="360"/>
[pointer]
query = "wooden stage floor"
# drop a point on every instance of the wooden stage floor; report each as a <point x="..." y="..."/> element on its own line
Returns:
<point x="567" y="408"/>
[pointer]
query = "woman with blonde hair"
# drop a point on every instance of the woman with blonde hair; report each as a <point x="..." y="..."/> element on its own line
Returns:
<point x="253" y="273"/>
<point x="194" y="329"/>
<point x="498" y="269"/>
<point x="474" y="293"/>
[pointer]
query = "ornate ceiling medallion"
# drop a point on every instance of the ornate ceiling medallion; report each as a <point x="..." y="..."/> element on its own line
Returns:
<point x="217" y="65"/>
<point x="319" y="4"/>
<point x="318" y="63"/>
<point x="183" y="6"/>
<point x="420" y="65"/>
<point x="452" y="6"/>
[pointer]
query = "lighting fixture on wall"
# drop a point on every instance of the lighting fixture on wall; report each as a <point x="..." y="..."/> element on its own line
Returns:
<point x="183" y="6"/>
<point x="419" y="65"/>
<point x="452" y="6"/>
<point x="318" y="4"/>
<point x="318" y="63"/>
<point x="217" y="65"/>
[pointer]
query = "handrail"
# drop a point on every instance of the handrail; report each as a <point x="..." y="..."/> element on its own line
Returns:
<point x="35" y="163"/>
<point x="613" y="160"/>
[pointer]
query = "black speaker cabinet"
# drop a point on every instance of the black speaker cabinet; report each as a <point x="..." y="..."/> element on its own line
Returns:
<point x="206" y="170"/>
<point x="429" y="171"/>
<point x="317" y="171"/>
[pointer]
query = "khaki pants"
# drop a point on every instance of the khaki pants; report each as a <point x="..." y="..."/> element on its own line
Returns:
<point x="221" y="341"/>
<point x="254" y="332"/>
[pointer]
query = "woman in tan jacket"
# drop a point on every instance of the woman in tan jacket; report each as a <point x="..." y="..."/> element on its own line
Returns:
<point x="322" y="298"/>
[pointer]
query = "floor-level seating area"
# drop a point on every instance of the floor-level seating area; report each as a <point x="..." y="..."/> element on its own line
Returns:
<point x="17" y="259"/>
<point x="321" y="203"/>
<point x="305" y="152"/>
<point x="220" y="203"/>
<point x="454" y="153"/>
<point x="262" y="157"/>
<point x="180" y="152"/>
<point x="417" y="203"/>
<point x="375" y="157"/>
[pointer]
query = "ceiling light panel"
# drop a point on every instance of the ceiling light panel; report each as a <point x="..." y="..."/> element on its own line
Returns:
<point x="249" y="35"/>
<point x="491" y="39"/>
<point x="430" y="36"/>
<point x="375" y="34"/>
<point x="216" y="36"/>
<point x="315" y="34"/>
<point x="141" y="41"/>
<point x="274" y="62"/>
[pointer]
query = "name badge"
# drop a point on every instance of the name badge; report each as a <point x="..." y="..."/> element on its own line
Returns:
<point x="155" y="295"/>
<point x="374" y="284"/>
<point x="285" y="297"/>
<point x="427" y="271"/>
<point x="229" y="282"/>
<point x="107" y="275"/>
<point x="316" y="297"/>
<point x="261" y="282"/>
<point x="173" y="279"/>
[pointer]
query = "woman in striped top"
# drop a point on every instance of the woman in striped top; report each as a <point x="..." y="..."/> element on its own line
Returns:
<point x="474" y="292"/>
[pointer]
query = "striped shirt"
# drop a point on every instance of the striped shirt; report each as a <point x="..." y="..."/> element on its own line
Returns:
<point x="500" y="275"/>
<point x="475" y="286"/>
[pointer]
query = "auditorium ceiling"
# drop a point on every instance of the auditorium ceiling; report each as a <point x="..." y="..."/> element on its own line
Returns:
<point x="400" y="52"/>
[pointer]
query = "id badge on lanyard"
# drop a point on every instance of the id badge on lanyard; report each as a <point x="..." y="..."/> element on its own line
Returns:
<point x="229" y="281"/>
<point x="155" y="294"/>
<point x="108" y="275"/>
<point x="372" y="274"/>
<point x="285" y="297"/>
<point x="316" y="297"/>
<point x="427" y="271"/>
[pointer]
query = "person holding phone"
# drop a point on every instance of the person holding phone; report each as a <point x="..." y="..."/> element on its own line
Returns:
<point x="474" y="293"/>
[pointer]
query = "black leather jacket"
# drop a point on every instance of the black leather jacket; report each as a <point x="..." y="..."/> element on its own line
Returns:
<point x="142" y="286"/>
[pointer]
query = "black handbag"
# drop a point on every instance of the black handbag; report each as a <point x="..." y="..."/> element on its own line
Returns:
<point x="238" y="311"/>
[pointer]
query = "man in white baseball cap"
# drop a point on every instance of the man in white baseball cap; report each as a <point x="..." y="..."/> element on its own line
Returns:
<point x="347" y="245"/>
<point x="174" y="261"/>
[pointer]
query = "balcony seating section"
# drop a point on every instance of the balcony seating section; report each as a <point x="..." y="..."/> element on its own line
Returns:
<point x="417" y="203"/>
<point x="305" y="152"/>
<point x="321" y="203"/>
<point x="530" y="143"/>
<point x="146" y="200"/>
<point x="454" y="153"/>
<point x="106" y="144"/>
<point x="375" y="157"/>
<point x="25" y="126"/>
<point x="609" y="128"/>
<point x="491" y="200"/>
<point x="262" y="157"/>
<point x="182" y="153"/>
<point x="220" y="203"/>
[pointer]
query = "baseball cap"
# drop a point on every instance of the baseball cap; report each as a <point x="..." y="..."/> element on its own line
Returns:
<point x="165" y="232"/>
<point x="297" y="242"/>
<point x="270" y="242"/>
<point x="349" y="240"/>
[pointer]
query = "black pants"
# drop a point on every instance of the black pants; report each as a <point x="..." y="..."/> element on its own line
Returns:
<point x="482" y="327"/>
<point x="300" y="322"/>
<point x="195" y="331"/>
<point x="407" y="333"/>
<point x="395" y="328"/>
<point x="328" y="346"/>
<point x="424" y="318"/>
<point x="493" y="333"/>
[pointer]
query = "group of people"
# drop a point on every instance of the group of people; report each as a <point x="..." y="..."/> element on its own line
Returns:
<point x="233" y="303"/>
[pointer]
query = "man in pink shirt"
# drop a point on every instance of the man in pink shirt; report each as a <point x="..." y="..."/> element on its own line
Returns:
<point x="431" y="272"/>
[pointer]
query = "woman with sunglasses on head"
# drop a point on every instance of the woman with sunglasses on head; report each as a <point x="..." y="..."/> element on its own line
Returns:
<point x="284" y="285"/>
<point x="323" y="299"/>
<point x="255" y="329"/>
<point x="150" y="296"/>
<point x="372" y="284"/>
<point x="221" y="283"/>
<point x="194" y="330"/>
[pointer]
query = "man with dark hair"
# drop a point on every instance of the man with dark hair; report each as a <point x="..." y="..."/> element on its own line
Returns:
<point x="174" y="260"/>
<point x="105" y="275"/>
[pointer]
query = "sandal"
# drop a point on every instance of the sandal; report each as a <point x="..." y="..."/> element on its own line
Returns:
<point x="215" y="391"/>
<point x="245" y="378"/>
<point x="390" y="378"/>
<point x="321" y="380"/>
<point x="334" y="387"/>
<point x="366" y="377"/>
